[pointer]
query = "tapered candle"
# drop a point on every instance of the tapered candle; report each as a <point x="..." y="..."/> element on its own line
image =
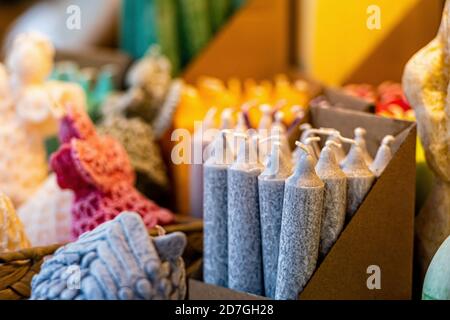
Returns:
<point x="215" y="267"/>
<point x="339" y="152"/>
<point x="244" y="231"/>
<point x="359" y="178"/>
<point x="383" y="157"/>
<point x="360" y="138"/>
<point x="300" y="228"/>
<point x="335" y="197"/>
<point x="200" y="143"/>
<point x="299" y="113"/>
<point x="271" y="195"/>
<point x="279" y="129"/>
<point x="309" y="143"/>
<point x="226" y="119"/>
<point x="304" y="128"/>
<point x="241" y="125"/>
<point x="266" y="119"/>
<point x="308" y="133"/>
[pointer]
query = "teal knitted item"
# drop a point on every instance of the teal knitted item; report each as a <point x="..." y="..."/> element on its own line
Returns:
<point x="437" y="281"/>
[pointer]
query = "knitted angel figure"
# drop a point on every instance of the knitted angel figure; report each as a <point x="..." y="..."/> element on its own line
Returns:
<point x="97" y="169"/>
<point x="140" y="116"/>
<point x="30" y="107"/>
<point x="426" y="83"/>
<point x="152" y="94"/>
<point x="12" y="234"/>
<point x="46" y="215"/>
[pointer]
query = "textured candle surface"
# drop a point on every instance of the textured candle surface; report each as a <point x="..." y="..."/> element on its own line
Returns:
<point x="215" y="268"/>
<point x="335" y="197"/>
<point x="215" y="255"/>
<point x="300" y="230"/>
<point x="244" y="229"/>
<point x="244" y="232"/>
<point x="383" y="157"/>
<point x="359" y="179"/>
<point x="116" y="261"/>
<point x="360" y="138"/>
<point x="271" y="194"/>
<point x="12" y="233"/>
<point x="338" y="150"/>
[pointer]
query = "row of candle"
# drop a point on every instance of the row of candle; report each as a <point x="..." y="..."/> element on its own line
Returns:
<point x="206" y="93"/>
<point x="240" y="121"/>
<point x="267" y="222"/>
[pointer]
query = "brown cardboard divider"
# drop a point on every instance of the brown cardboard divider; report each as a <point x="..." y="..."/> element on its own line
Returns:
<point x="339" y="98"/>
<point x="381" y="232"/>
<point x="346" y="121"/>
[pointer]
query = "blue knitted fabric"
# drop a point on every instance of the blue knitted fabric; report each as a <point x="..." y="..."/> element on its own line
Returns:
<point x="117" y="260"/>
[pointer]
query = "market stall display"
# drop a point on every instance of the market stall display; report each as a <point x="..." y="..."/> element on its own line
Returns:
<point x="198" y="161"/>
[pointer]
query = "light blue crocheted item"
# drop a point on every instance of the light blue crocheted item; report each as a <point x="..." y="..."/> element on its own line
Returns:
<point x="117" y="260"/>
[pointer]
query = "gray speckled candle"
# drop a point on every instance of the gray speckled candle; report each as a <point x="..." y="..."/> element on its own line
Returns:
<point x="300" y="229"/>
<point x="359" y="179"/>
<point x="244" y="231"/>
<point x="279" y="130"/>
<point x="383" y="157"/>
<point x="215" y="256"/>
<point x="241" y="125"/>
<point x="360" y="138"/>
<point x="271" y="195"/>
<point x="338" y="150"/>
<point x="310" y="132"/>
<point x="266" y="119"/>
<point x="309" y="143"/>
<point x="335" y="199"/>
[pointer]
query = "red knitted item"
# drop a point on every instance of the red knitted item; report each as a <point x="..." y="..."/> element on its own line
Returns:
<point x="97" y="169"/>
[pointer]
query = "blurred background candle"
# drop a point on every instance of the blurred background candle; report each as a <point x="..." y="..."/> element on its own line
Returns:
<point x="383" y="157"/>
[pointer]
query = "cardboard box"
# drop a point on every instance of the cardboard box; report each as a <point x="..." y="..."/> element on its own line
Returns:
<point x="258" y="43"/>
<point x="380" y="233"/>
<point x="339" y="98"/>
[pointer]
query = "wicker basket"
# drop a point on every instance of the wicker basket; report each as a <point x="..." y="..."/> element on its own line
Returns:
<point x="18" y="268"/>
